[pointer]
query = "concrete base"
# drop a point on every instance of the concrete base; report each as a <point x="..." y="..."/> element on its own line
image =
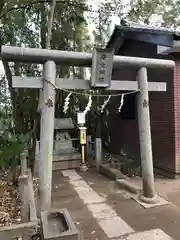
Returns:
<point x="155" y="234"/>
<point x="112" y="173"/>
<point x="123" y="183"/>
<point x="159" y="202"/>
<point x="57" y="224"/>
<point x="152" y="200"/>
<point x="83" y="168"/>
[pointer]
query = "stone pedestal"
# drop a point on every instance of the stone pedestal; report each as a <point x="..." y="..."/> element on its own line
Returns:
<point x="65" y="156"/>
<point x="63" y="146"/>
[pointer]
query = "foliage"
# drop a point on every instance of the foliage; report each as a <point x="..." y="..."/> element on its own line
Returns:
<point x="163" y="13"/>
<point x="102" y="18"/>
<point x="24" y="23"/>
<point x="160" y="12"/>
<point x="12" y="145"/>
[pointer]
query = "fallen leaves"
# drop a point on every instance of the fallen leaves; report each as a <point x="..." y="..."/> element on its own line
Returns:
<point x="35" y="187"/>
<point x="9" y="201"/>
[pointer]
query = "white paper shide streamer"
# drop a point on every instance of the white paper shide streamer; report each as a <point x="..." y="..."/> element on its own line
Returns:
<point x="121" y="103"/>
<point x="88" y="107"/>
<point x="66" y="103"/>
<point x="102" y="107"/>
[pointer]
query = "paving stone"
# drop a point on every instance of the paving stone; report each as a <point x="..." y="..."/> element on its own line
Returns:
<point x="155" y="234"/>
<point x="115" y="227"/>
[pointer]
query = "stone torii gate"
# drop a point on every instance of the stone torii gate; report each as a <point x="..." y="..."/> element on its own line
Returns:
<point x="52" y="57"/>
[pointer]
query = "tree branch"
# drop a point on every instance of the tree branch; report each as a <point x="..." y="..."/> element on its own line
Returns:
<point x="80" y="6"/>
<point x="2" y="5"/>
<point x="50" y="23"/>
<point x="62" y="2"/>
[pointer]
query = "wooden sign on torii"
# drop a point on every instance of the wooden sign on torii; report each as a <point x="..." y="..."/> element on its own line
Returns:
<point x="52" y="57"/>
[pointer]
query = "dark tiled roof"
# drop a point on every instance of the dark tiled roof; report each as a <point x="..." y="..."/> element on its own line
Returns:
<point x="149" y="28"/>
<point x="119" y="30"/>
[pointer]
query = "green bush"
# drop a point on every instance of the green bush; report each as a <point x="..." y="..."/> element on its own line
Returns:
<point x="11" y="146"/>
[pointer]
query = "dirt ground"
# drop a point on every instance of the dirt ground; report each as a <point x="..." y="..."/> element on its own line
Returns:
<point x="166" y="217"/>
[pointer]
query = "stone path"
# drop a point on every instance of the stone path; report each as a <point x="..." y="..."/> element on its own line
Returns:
<point x="87" y="198"/>
<point x="104" y="214"/>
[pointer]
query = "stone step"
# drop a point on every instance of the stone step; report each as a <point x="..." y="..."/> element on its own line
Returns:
<point x="66" y="156"/>
<point x="66" y="161"/>
<point x="62" y="161"/>
<point x="67" y="150"/>
<point x="155" y="234"/>
<point x="64" y="165"/>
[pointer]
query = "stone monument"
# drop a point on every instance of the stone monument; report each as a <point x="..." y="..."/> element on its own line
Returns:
<point x="63" y="143"/>
<point x="65" y="156"/>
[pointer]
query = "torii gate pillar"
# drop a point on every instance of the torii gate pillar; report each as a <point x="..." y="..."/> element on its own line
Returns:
<point x="46" y="135"/>
<point x="145" y="136"/>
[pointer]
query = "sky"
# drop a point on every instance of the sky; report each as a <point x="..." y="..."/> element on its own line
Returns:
<point x="95" y="4"/>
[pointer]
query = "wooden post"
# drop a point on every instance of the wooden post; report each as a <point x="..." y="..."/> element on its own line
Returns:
<point x="23" y="184"/>
<point x="46" y="135"/>
<point x="31" y="197"/>
<point x="23" y="163"/>
<point x="83" y="166"/>
<point x="26" y="201"/>
<point x="37" y="148"/>
<point x="23" y="187"/>
<point x="145" y="135"/>
<point x="98" y="137"/>
<point x="98" y="142"/>
<point x="98" y="149"/>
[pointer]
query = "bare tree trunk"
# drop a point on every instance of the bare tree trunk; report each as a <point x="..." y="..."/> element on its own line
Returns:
<point x="17" y="102"/>
<point x="32" y="151"/>
<point x="17" y="115"/>
<point x="2" y="2"/>
<point x="50" y="23"/>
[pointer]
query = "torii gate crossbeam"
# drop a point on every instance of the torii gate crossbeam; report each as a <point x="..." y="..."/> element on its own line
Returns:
<point x="52" y="57"/>
<point x="36" y="55"/>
